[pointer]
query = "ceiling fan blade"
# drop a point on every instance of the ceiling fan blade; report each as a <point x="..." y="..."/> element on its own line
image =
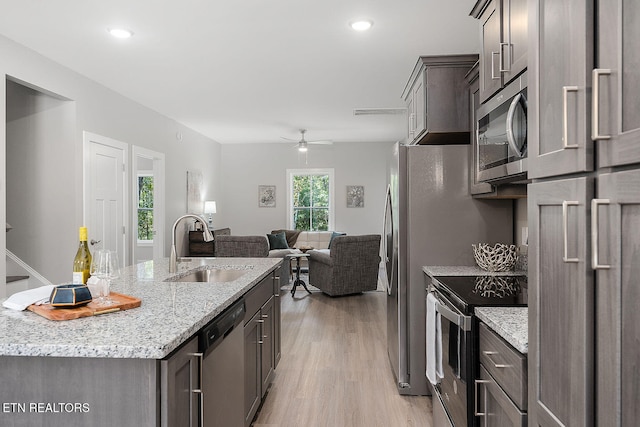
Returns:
<point x="289" y="139"/>
<point x="325" y="142"/>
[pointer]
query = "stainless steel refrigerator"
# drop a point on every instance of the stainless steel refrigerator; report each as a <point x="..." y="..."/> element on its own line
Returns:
<point x="430" y="219"/>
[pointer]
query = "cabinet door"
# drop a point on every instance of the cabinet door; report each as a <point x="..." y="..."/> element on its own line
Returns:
<point x="616" y="83"/>
<point x="490" y="38"/>
<point x="419" y="106"/>
<point x="561" y="40"/>
<point x="514" y="37"/>
<point x="267" y="348"/>
<point x="277" y="313"/>
<point x="497" y="409"/>
<point x="252" y="377"/>
<point x="618" y="319"/>
<point x="561" y="304"/>
<point x="179" y="385"/>
<point x="411" y="112"/>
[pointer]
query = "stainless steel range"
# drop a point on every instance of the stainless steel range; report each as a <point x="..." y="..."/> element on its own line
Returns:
<point x="454" y="301"/>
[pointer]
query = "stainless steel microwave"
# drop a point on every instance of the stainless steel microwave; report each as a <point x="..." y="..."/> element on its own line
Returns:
<point x="501" y="135"/>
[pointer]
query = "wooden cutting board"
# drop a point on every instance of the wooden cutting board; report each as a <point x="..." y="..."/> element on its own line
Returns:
<point x="121" y="302"/>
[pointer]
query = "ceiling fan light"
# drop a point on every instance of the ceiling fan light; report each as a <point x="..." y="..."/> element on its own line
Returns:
<point x="302" y="149"/>
<point x="361" y="25"/>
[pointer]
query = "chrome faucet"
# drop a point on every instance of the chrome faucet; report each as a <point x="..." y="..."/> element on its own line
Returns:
<point x="206" y="234"/>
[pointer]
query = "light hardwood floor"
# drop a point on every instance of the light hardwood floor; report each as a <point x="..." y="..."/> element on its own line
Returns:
<point x="334" y="369"/>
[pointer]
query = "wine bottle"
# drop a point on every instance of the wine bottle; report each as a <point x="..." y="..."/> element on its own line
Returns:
<point x="82" y="261"/>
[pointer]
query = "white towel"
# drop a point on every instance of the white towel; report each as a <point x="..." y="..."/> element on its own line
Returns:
<point x="22" y="300"/>
<point x="433" y="341"/>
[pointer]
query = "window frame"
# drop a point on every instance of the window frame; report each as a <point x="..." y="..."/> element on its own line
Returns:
<point x="310" y="171"/>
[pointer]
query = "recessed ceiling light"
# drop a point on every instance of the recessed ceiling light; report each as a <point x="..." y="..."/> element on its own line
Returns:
<point x="120" y="33"/>
<point x="361" y="25"/>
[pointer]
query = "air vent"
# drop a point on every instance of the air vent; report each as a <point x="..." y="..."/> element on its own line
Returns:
<point x="378" y="111"/>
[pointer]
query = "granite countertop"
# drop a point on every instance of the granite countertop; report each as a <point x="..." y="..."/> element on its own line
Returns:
<point x="464" y="270"/>
<point x="511" y="323"/>
<point x="171" y="312"/>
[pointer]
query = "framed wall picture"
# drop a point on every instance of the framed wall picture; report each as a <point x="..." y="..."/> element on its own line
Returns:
<point x="266" y="196"/>
<point x="194" y="192"/>
<point x="355" y="196"/>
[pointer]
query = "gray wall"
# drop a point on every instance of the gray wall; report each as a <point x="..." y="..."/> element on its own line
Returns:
<point x="104" y="112"/>
<point x="246" y="166"/>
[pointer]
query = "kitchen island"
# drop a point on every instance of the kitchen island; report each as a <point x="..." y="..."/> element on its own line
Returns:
<point x="115" y="368"/>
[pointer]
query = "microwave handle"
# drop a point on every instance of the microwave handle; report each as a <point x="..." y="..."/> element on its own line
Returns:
<point x="512" y="111"/>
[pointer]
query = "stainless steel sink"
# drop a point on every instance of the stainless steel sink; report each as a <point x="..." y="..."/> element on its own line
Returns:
<point x="213" y="275"/>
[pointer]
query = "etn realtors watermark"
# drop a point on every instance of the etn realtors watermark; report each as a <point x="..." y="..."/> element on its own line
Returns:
<point x="45" y="407"/>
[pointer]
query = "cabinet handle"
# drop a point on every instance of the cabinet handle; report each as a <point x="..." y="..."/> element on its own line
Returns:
<point x="276" y="279"/>
<point x="595" y="104"/>
<point x="260" y="321"/>
<point x="565" y="114"/>
<point x="265" y="316"/>
<point x="595" y="262"/>
<point x="475" y="403"/>
<point x="495" y="365"/>
<point x="501" y="58"/>
<point x="198" y="390"/>
<point x="493" y="65"/>
<point x="565" y="232"/>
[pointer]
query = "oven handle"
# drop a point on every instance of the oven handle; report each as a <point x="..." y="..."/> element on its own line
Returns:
<point x="463" y="322"/>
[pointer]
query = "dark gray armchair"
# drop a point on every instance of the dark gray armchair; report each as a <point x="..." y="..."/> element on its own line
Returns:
<point x="242" y="246"/>
<point x="350" y="265"/>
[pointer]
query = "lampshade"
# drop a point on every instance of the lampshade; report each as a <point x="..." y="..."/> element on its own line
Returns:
<point x="209" y="207"/>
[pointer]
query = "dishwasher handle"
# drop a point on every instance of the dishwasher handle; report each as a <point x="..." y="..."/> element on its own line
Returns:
<point x="216" y="330"/>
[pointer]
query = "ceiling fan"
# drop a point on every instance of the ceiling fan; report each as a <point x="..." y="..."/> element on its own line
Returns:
<point x="302" y="144"/>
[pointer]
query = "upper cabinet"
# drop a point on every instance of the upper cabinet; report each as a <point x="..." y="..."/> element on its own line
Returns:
<point x="437" y="100"/>
<point x="503" y="42"/>
<point x="561" y="61"/>
<point x="615" y="122"/>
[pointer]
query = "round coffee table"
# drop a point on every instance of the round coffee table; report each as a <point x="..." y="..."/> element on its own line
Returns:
<point x="298" y="281"/>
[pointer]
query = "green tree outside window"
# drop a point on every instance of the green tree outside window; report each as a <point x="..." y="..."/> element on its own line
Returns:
<point x="145" y="208"/>
<point x="311" y="202"/>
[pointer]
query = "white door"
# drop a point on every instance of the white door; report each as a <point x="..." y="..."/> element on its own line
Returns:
<point x="105" y="176"/>
<point x="147" y="164"/>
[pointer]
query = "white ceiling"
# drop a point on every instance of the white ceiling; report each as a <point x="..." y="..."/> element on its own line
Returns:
<point x="251" y="70"/>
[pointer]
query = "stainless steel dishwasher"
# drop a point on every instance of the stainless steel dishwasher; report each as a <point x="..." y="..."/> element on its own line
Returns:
<point x="221" y="344"/>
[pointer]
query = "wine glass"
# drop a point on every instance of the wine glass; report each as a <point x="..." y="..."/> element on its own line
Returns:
<point x="105" y="266"/>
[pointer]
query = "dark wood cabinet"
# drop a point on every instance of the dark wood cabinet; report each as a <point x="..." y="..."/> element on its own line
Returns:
<point x="437" y="100"/>
<point x="261" y="342"/>
<point x="561" y="303"/>
<point x="584" y="217"/>
<point x="180" y="387"/>
<point x="503" y="43"/>
<point x="560" y="90"/>
<point x="616" y="84"/>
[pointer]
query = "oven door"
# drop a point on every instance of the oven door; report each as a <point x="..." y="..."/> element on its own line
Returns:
<point x="455" y="388"/>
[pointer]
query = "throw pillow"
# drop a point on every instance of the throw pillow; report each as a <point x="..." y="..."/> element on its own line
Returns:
<point x="277" y="241"/>
<point x="335" y="234"/>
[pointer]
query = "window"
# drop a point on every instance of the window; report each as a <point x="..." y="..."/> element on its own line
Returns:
<point x="145" y="208"/>
<point x="310" y="199"/>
